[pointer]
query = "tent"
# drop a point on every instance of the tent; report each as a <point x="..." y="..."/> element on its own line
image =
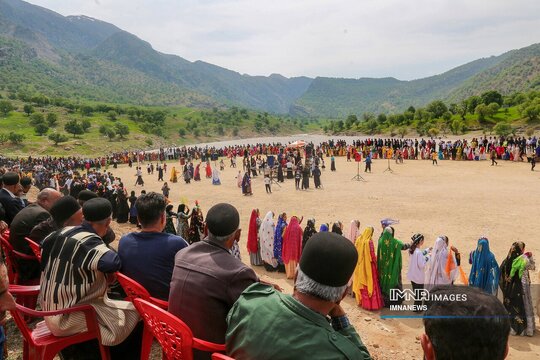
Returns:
<point x="297" y="144"/>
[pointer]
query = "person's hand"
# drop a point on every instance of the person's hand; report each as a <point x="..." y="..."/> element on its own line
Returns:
<point x="337" y="311"/>
<point x="3" y="226"/>
<point x="6" y="303"/>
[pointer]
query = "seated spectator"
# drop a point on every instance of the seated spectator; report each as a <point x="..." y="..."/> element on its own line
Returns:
<point x="65" y="212"/>
<point x="266" y="324"/>
<point x="26" y="185"/>
<point x="474" y="329"/>
<point x="9" y="196"/>
<point x="148" y="256"/>
<point x="22" y="225"/>
<point x="85" y="195"/>
<point x="207" y="279"/>
<point x="76" y="268"/>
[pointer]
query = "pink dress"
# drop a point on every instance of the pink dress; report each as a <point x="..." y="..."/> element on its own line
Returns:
<point x="375" y="302"/>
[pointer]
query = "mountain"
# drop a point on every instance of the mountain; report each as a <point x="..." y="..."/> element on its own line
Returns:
<point x="78" y="56"/>
<point x="85" y="58"/>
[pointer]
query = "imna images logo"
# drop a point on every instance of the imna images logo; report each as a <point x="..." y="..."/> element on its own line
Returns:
<point x="419" y="296"/>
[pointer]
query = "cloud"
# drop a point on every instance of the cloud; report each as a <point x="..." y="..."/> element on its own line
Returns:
<point x="341" y="38"/>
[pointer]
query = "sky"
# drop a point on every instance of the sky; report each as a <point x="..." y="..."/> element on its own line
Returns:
<point x="405" y="39"/>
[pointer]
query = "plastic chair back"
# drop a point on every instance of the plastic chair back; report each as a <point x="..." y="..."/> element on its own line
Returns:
<point x="134" y="290"/>
<point x="218" y="356"/>
<point x="36" y="248"/>
<point x="39" y="342"/>
<point x="174" y="336"/>
<point x="11" y="256"/>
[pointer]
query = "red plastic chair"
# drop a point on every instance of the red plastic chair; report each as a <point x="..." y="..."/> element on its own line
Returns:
<point x="134" y="290"/>
<point x="218" y="356"/>
<point x="174" y="336"/>
<point x="40" y="343"/>
<point x="36" y="248"/>
<point x="11" y="256"/>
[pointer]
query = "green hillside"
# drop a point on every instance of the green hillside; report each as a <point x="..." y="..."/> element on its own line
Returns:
<point x="117" y="127"/>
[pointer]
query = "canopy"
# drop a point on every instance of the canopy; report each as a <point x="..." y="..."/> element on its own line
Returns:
<point x="297" y="144"/>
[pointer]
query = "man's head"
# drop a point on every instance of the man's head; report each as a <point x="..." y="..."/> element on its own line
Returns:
<point x="67" y="212"/>
<point x="26" y="184"/>
<point x="47" y="198"/>
<point x="222" y="221"/>
<point x="11" y="182"/>
<point x="151" y="211"/>
<point x="476" y="328"/>
<point x="86" y="195"/>
<point x="97" y="212"/>
<point x="326" y="266"/>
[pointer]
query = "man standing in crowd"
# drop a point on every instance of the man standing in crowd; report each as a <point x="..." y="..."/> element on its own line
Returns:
<point x="207" y="279"/>
<point x="262" y="316"/>
<point x="76" y="269"/>
<point x="151" y="247"/>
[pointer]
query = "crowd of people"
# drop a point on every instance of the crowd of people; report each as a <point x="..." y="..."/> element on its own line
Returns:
<point x="193" y="261"/>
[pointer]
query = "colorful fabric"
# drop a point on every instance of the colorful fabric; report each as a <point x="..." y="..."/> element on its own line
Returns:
<point x="485" y="270"/>
<point x="389" y="261"/>
<point x="353" y="231"/>
<point x="266" y="235"/>
<point x="252" y="243"/>
<point x="278" y="239"/>
<point x="363" y="275"/>
<point x="292" y="241"/>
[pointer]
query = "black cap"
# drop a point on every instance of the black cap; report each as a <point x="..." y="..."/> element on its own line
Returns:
<point x="97" y="209"/>
<point x="86" y="195"/>
<point x="10" y="178"/>
<point x="26" y="181"/>
<point x="329" y="259"/>
<point x="222" y="219"/>
<point x="64" y="208"/>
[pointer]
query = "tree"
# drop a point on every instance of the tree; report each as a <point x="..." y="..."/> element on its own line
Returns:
<point x="86" y="110"/>
<point x="112" y="115"/>
<point x="121" y="129"/>
<point x="197" y="132"/>
<point x="482" y="111"/>
<point x="103" y="129"/>
<point x="73" y="127"/>
<point x="37" y="118"/>
<point x="532" y="112"/>
<point x="433" y="132"/>
<point x="28" y="109"/>
<point x="437" y="107"/>
<point x="182" y="132"/>
<point x="110" y="133"/>
<point x="52" y="119"/>
<point x="493" y="108"/>
<point x="41" y="129"/>
<point x="58" y="138"/>
<point x="350" y="121"/>
<point x="472" y="103"/>
<point x="15" y="138"/>
<point x="457" y="127"/>
<point x="86" y="125"/>
<point x="402" y="131"/>
<point x="220" y="130"/>
<point x="3" y="138"/>
<point x="447" y="116"/>
<point x="502" y="129"/>
<point x="371" y="125"/>
<point x="6" y="107"/>
<point x="453" y="108"/>
<point x="492" y="96"/>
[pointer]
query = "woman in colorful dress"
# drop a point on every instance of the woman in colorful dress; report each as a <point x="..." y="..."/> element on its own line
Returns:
<point x="132" y="209"/>
<point x="365" y="285"/>
<point x="443" y="265"/>
<point x="253" y="240"/>
<point x="196" y="226"/>
<point x="182" y="225"/>
<point x="292" y="247"/>
<point x="278" y="240"/>
<point x="266" y="236"/>
<point x="515" y="284"/>
<point x="246" y="184"/>
<point x="208" y="170"/>
<point x="354" y="230"/>
<point x="389" y="263"/>
<point x="197" y="173"/>
<point x="169" y="223"/>
<point x="485" y="270"/>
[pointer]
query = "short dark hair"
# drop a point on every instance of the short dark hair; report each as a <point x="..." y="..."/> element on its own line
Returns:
<point x="476" y="328"/>
<point x="150" y="207"/>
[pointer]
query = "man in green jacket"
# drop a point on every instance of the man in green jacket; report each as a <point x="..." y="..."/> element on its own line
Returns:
<point x="266" y="324"/>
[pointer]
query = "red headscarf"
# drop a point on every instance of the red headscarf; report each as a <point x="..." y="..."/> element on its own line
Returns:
<point x="252" y="244"/>
<point x="292" y="241"/>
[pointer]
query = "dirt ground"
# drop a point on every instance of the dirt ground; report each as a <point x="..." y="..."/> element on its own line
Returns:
<point x="463" y="200"/>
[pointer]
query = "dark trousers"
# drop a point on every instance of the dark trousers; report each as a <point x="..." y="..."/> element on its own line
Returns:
<point x="493" y="161"/>
<point x="368" y="167"/>
<point x="268" y="190"/>
<point x="416" y="286"/>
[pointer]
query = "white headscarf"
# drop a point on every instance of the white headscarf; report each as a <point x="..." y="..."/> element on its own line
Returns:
<point x="436" y="266"/>
<point x="266" y="236"/>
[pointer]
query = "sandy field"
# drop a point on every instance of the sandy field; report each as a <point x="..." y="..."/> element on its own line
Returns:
<point x="463" y="200"/>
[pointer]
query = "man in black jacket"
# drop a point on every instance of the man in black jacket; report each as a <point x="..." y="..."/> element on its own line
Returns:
<point x="9" y="196"/>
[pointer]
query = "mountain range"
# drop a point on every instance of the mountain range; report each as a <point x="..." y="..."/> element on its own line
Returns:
<point x="84" y="58"/>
